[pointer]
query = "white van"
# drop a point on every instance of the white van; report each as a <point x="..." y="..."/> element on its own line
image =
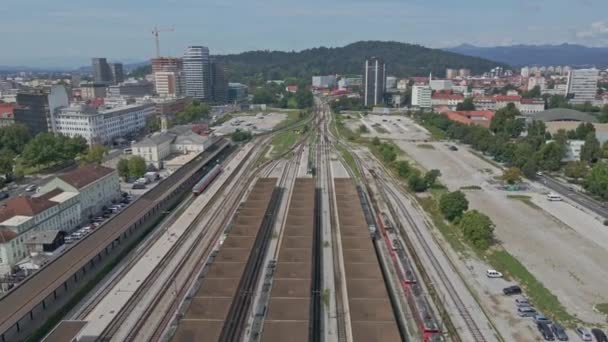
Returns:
<point x="554" y="197"/>
<point x="77" y="235"/>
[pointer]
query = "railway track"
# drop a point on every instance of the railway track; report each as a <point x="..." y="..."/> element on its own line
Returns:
<point x="459" y="304"/>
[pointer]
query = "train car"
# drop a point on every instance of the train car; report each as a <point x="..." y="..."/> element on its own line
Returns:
<point x="206" y="180"/>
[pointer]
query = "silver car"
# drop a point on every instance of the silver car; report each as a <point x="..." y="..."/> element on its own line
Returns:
<point x="584" y="334"/>
<point x="522" y="302"/>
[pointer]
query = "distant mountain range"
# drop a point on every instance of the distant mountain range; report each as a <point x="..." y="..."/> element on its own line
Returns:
<point x="521" y="55"/>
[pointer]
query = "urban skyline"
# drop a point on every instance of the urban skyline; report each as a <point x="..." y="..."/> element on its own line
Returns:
<point x="122" y="31"/>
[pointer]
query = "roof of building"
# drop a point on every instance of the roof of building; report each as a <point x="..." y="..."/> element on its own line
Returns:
<point x="445" y="96"/>
<point x="6" y="234"/>
<point x="507" y="98"/>
<point x="51" y="194"/>
<point x="24" y="206"/>
<point x="191" y="138"/>
<point x="563" y="114"/>
<point x="42" y="237"/>
<point x="154" y="140"/>
<point x="85" y="175"/>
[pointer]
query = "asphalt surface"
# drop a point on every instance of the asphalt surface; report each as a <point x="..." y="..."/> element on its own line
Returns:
<point x="578" y="197"/>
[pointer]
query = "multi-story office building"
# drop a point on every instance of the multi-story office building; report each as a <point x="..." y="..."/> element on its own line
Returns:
<point x="237" y="92"/>
<point x="35" y="109"/>
<point x="324" y="82"/>
<point x="101" y="71"/>
<point x="102" y="126"/>
<point x="219" y="83"/>
<point x="90" y="91"/>
<point x="440" y="85"/>
<point x="421" y="96"/>
<point x="132" y="88"/>
<point x="168" y="76"/>
<point x="464" y="73"/>
<point x="374" y="81"/>
<point x="118" y="75"/>
<point x="582" y="84"/>
<point x="451" y="73"/>
<point x="391" y="82"/>
<point x="537" y="81"/>
<point x="197" y="73"/>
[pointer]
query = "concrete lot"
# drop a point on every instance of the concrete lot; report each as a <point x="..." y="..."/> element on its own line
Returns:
<point x="388" y="127"/>
<point x="258" y="123"/>
<point x="563" y="246"/>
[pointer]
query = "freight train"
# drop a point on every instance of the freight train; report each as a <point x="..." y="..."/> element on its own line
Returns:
<point x="206" y="180"/>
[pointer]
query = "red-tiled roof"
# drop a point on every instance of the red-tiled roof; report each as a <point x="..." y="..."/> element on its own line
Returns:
<point x="6" y="235"/>
<point x="507" y="98"/>
<point x="444" y="96"/>
<point x="532" y="101"/>
<point x="85" y="175"/>
<point x="477" y="117"/>
<point x="24" y="206"/>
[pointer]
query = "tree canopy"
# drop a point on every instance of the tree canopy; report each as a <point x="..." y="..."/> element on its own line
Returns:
<point x="194" y="112"/>
<point x="453" y="205"/>
<point x="47" y="148"/>
<point x="478" y="229"/>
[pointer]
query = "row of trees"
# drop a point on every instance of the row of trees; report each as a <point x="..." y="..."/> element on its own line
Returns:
<point x="417" y="182"/>
<point x="194" y="112"/>
<point x="476" y="227"/>
<point x="241" y="135"/>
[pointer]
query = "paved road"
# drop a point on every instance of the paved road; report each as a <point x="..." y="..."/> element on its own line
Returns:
<point x="578" y="197"/>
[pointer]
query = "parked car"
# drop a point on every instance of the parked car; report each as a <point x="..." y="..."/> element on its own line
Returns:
<point x="31" y="187"/>
<point x="584" y="334"/>
<point x="545" y="330"/>
<point x="522" y="301"/>
<point x="512" y="290"/>
<point x="599" y="335"/>
<point x="559" y="332"/>
<point x="138" y="186"/>
<point x="493" y="274"/>
<point x="526" y="311"/>
<point x="541" y="318"/>
<point x="4" y="195"/>
<point x="453" y="148"/>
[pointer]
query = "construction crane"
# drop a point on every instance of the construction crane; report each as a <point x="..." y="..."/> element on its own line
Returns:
<point x="155" y="32"/>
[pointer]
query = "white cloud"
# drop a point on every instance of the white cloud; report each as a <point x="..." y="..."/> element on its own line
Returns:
<point x="597" y="29"/>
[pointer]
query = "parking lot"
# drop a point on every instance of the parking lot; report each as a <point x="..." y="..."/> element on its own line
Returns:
<point x="388" y="127"/>
<point x="255" y="123"/>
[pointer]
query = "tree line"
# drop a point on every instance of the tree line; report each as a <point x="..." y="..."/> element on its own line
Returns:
<point x="276" y="95"/>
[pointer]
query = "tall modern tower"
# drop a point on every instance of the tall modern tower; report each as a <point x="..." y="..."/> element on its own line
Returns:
<point x="101" y="70"/>
<point x="118" y="75"/>
<point x="374" y="81"/>
<point x="582" y="85"/>
<point x="197" y="73"/>
<point x="219" y="82"/>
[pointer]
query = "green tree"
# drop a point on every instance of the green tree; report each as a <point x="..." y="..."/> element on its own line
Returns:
<point x="597" y="180"/>
<point x="137" y="166"/>
<point x="403" y="168"/>
<point x="561" y="137"/>
<point x="522" y="154"/>
<point x="363" y="129"/>
<point x="467" y="104"/>
<point x="558" y="101"/>
<point x="530" y="168"/>
<point x="194" y="112"/>
<point x="263" y="95"/>
<point x="591" y="151"/>
<point x="153" y="125"/>
<point x="376" y="141"/>
<point x="605" y="150"/>
<point x="431" y="177"/>
<point x="478" y="229"/>
<point x="417" y="183"/>
<point x="576" y="169"/>
<point x="512" y="175"/>
<point x="240" y="135"/>
<point x="532" y="93"/>
<point x="7" y="162"/>
<point x="583" y="130"/>
<point x="304" y="98"/>
<point x="550" y="156"/>
<point x="14" y="137"/>
<point x="95" y="154"/>
<point x="123" y="168"/>
<point x="48" y="148"/>
<point x="506" y="120"/>
<point x="453" y="205"/>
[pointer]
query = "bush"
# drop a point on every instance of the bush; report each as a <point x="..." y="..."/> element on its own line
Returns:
<point x="478" y="229"/>
<point x="453" y="205"/>
<point x="417" y="183"/>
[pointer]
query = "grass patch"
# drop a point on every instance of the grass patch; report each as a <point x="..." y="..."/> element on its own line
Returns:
<point x="426" y="146"/>
<point x="470" y="187"/>
<point x="293" y="117"/>
<point x="527" y="200"/>
<point x="283" y="142"/>
<point x="349" y="160"/>
<point x="436" y="133"/>
<point x="326" y="294"/>
<point x="602" y="308"/>
<point x="450" y="233"/>
<point x="539" y="295"/>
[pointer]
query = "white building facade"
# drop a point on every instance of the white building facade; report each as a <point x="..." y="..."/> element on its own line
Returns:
<point x="582" y="84"/>
<point x="104" y="125"/>
<point x="324" y="82"/>
<point x="421" y="96"/>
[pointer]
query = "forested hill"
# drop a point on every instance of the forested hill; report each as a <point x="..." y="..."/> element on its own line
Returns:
<point x="402" y="60"/>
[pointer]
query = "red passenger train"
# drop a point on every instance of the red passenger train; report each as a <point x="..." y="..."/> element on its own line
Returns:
<point x="206" y="180"/>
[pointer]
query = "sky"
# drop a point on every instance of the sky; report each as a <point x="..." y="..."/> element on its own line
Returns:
<point x="67" y="33"/>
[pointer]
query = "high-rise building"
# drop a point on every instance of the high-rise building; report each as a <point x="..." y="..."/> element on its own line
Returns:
<point x="421" y="96"/>
<point x="582" y="84"/>
<point x="101" y="71"/>
<point x="118" y="75"/>
<point x="197" y="73"/>
<point x="237" y="92"/>
<point x="451" y="74"/>
<point x="374" y="81"/>
<point x="464" y="73"/>
<point x="219" y="82"/>
<point x="168" y="76"/>
<point x="35" y="109"/>
<point x="525" y="72"/>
